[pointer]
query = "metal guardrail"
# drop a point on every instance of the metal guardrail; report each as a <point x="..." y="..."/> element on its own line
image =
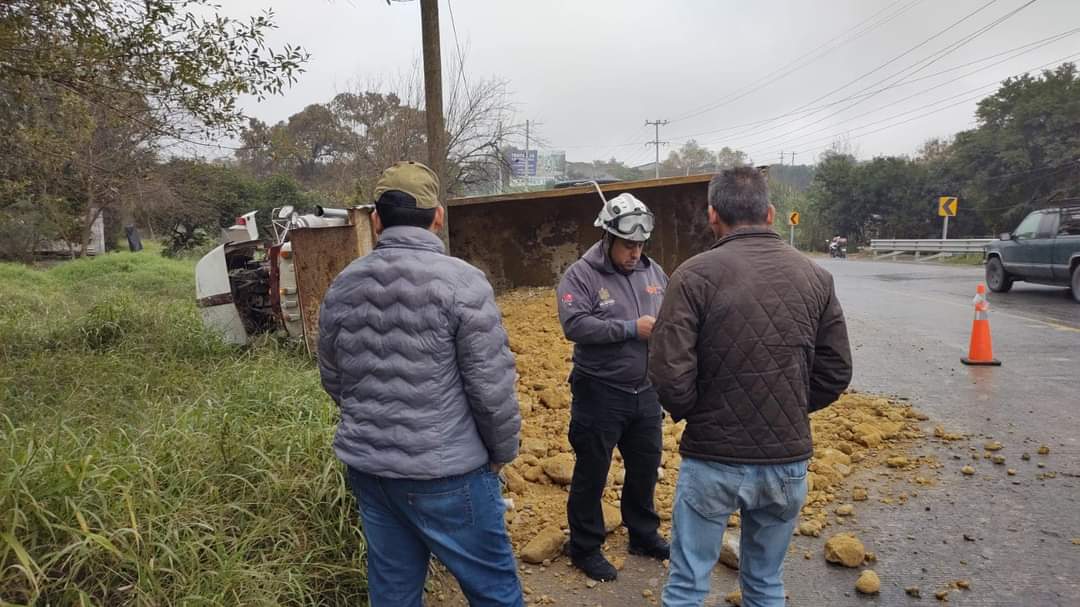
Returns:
<point x="936" y="246"/>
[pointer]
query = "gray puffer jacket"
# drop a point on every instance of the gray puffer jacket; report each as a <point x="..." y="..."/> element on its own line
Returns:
<point x="412" y="348"/>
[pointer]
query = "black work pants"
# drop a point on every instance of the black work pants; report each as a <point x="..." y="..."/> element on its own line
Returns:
<point x="602" y="418"/>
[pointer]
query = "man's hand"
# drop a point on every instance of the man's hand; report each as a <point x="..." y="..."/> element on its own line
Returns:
<point x="645" y="327"/>
<point x="496" y="468"/>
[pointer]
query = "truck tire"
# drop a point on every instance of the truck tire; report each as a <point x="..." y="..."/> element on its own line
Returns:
<point x="1076" y="283"/>
<point x="997" y="278"/>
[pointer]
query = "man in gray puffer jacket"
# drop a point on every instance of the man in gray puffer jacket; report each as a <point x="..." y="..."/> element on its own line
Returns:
<point x="413" y="351"/>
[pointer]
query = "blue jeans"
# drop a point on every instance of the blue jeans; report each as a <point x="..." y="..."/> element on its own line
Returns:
<point x="459" y="519"/>
<point x="768" y="497"/>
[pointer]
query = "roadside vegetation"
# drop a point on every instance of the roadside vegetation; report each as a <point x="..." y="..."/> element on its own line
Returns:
<point x="966" y="259"/>
<point x="144" y="462"/>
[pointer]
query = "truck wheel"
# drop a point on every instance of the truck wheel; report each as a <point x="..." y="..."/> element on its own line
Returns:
<point x="1076" y="283"/>
<point x="997" y="278"/>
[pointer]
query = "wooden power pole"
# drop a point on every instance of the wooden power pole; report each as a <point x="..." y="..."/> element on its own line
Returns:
<point x="433" y="101"/>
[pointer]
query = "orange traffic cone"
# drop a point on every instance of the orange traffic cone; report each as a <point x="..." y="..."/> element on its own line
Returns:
<point x="981" y="350"/>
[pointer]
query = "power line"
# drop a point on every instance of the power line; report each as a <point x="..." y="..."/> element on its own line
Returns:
<point x="457" y="45"/>
<point x="610" y="149"/>
<point x="899" y="78"/>
<point x="898" y="123"/>
<point x="801" y="61"/>
<point x="901" y="55"/>
<point x="927" y="61"/>
<point x="894" y="116"/>
<point x="1064" y="165"/>
<point x="887" y="63"/>
<point x="931" y="89"/>
<point x="1023" y="49"/>
<point x="1012" y="54"/>
<point x="967" y="96"/>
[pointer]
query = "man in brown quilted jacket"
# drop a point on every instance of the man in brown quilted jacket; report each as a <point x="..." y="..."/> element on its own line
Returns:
<point x="749" y="340"/>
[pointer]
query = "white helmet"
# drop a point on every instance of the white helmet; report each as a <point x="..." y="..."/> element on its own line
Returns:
<point x="626" y="217"/>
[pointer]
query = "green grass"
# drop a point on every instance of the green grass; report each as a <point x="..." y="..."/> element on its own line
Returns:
<point x="964" y="259"/>
<point x="144" y="462"/>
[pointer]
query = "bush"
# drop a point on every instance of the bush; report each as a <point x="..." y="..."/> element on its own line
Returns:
<point x="181" y="240"/>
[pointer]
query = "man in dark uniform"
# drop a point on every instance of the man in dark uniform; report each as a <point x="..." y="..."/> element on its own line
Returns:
<point x="608" y="301"/>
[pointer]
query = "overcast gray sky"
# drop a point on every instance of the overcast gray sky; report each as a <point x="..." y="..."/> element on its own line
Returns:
<point x="764" y="77"/>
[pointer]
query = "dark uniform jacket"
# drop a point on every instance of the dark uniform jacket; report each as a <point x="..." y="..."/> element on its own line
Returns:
<point x="599" y="307"/>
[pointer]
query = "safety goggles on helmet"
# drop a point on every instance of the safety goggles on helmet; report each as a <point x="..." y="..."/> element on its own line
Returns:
<point x="626" y="217"/>
<point x="636" y="221"/>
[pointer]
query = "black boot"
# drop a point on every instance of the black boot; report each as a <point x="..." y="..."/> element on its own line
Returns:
<point x="595" y="566"/>
<point x="657" y="549"/>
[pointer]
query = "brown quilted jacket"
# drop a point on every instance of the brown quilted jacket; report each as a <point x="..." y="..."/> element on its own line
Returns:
<point x="749" y="340"/>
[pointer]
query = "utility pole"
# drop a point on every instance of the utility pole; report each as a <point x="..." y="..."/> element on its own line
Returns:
<point x="433" y="101"/>
<point x="656" y="141"/>
<point x="793" y="159"/>
<point x="528" y="125"/>
<point x="781" y="159"/>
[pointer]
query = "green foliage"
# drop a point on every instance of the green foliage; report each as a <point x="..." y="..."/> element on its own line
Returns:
<point x="198" y="199"/>
<point x="1026" y="149"/>
<point x="338" y="147"/>
<point x="88" y="90"/>
<point x="143" y="461"/>
<point x="180" y="56"/>
<point x="811" y="233"/>
<point x="599" y="169"/>
<point x="1025" y="153"/>
<point x="693" y="159"/>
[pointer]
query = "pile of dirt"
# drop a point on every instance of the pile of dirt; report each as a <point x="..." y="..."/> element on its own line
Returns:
<point x="859" y="431"/>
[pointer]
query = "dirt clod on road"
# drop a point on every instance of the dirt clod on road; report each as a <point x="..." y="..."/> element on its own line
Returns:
<point x="845" y="549"/>
<point x="868" y="582"/>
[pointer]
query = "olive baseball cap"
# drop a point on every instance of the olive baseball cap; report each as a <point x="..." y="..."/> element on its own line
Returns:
<point x="412" y="178"/>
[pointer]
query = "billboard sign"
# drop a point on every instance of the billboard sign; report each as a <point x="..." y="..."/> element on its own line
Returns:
<point x="520" y="166"/>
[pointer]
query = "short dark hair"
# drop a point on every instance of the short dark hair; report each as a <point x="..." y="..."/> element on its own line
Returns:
<point x="740" y="196"/>
<point x="397" y="208"/>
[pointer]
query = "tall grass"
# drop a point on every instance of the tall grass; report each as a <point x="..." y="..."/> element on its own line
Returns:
<point x="143" y="462"/>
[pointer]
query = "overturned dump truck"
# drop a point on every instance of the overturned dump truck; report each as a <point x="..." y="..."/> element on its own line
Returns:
<point x="248" y="286"/>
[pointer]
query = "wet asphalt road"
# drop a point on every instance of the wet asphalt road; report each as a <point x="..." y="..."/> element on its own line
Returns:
<point x="909" y="326"/>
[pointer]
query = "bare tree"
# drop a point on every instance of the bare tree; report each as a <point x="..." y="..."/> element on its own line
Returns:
<point x="479" y="123"/>
<point x="347" y="142"/>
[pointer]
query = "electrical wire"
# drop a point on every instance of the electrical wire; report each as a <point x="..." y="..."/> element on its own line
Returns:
<point x="862" y="95"/>
<point x="800" y="62"/>
<point x="926" y="62"/>
<point x="833" y="136"/>
<point x="457" y="45"/>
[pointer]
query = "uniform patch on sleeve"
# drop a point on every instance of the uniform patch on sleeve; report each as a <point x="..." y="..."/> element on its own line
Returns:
<point x="568" y="298"/>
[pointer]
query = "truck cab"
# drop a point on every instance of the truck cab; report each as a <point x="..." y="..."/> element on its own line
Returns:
<point x="248" y="286"/>
<point x="1043" y="249"/>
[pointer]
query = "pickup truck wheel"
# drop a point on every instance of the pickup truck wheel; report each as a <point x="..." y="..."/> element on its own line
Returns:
<point x="1076" y="283"/>
<point x="998" y="279"/>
